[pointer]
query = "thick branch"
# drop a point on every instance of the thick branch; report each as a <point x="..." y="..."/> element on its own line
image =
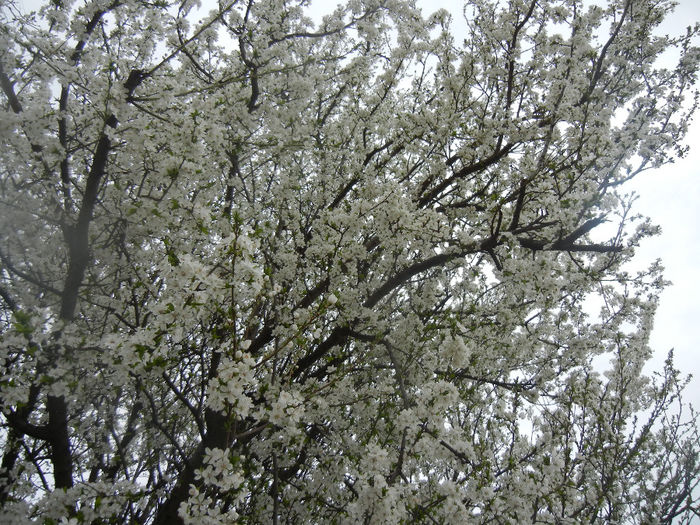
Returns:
<point x="167" y="511"/>
<point x="9" y="301"/>
<point x="341" y="334"/>
<point x="9" y="91"/>
<point x="407" y="273"/>
<point x="598" y="68"/>
<point x="539" y="245"/>
<point x="518" y="206"/>
<point x="464" y="172"/>
<point x="579" y="232"/>
<point x="338" y="336"/>
<point x="77" y="236"/>
<point x="511" y="49"/>
<point x="61" y="456"/>
<point x="18" y="419"/>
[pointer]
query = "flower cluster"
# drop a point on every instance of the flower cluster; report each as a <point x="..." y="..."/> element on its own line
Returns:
<point x="228" y="389"/>
<point x="287" y="409"/>
<point x="219" y="471"/>
<point x="259" y="267"/>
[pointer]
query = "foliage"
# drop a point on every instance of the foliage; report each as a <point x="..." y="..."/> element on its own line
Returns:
<point x="257" y="269"/>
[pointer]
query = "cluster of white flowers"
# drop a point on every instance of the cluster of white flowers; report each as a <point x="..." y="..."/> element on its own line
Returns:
<point x="385" y="503"/>
<point x="455" y="351"/>
<point x="287" y="409"/>
<point x="200" y="509"/>
<point x="218" y="470"/>
<point x="98" y="500"/>
<point x="15" y="513"/>
<point x="228" y="388"/>
<point x="249" y="277"/>
<point x="368" y="251"/>
<point x="436" y="399"/>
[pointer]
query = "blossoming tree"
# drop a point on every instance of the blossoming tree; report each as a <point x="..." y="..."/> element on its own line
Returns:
<point x="255" y="268"/>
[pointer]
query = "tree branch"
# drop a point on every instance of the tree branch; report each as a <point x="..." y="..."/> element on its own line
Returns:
<point x="9" y="91"/>
<point x="463" y="172"/>
<point x="518" y="206"/>
<point x="25" y="276"/>
<point x="77" y="236"/>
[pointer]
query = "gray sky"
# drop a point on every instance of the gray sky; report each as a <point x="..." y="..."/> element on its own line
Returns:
<point x="671" y="197"/>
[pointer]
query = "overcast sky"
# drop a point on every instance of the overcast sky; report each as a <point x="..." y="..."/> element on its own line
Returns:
<point x="671" y="197"/>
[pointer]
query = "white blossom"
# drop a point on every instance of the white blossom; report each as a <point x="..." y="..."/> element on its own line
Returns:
<point x="371" y="268"/>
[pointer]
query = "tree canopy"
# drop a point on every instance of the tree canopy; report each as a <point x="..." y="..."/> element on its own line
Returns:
<point x="255" y="269"/>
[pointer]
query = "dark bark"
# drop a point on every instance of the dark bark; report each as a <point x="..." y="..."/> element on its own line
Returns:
<point x="9" y="91"/>
<point x="77" y="235"/>
<point x="460" y="174"/>
<point x="9" y="459"/>
<point x="61" y="456"/>
<point x="77" y="239"/>
<point x="338" y="336"/>
<point x="167" y="511"/>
